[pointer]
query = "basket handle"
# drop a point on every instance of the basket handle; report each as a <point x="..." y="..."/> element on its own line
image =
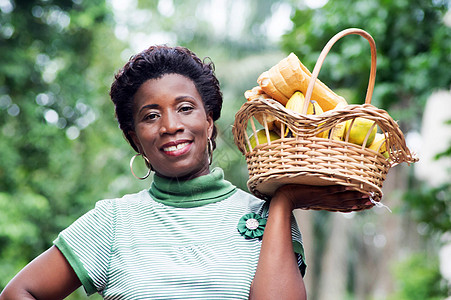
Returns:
<point x="326" y="50"/>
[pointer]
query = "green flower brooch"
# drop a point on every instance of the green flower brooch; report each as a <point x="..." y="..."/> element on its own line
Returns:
<point x="251" y="226"/>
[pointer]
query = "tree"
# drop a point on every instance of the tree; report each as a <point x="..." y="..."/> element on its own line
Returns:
<point x="412" y="41"/>
<point x="54" y="70"/>
<point x="413" y="46"/>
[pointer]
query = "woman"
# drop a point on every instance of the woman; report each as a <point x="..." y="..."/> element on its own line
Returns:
<point x="192" y="234"/>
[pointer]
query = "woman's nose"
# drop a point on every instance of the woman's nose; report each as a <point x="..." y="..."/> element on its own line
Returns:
<point x="170" y="123"/>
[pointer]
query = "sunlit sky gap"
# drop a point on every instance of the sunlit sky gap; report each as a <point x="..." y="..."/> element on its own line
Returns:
<point x="214" y="12"/>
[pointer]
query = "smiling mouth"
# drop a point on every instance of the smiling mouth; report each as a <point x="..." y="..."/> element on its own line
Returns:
<point x="176" y="149"/>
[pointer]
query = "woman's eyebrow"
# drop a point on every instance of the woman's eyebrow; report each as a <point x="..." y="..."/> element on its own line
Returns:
<point x="154" y="106"/>
<point x="148" y="106"/>
<point x="184" y="97"/>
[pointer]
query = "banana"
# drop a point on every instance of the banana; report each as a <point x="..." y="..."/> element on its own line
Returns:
<point x="338" y="131"/>
<point x="296" y="102"/>
<point x="379" y="145"/>
<point x="356" y="130"/>
<point x="314" y="108"/>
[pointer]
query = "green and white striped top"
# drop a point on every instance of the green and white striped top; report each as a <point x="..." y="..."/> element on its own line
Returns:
<point x="178" y="240"/>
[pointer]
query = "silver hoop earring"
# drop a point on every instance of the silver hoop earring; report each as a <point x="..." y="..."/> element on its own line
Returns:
<point x="148" y="165"/>
<point x="210" y="151"/>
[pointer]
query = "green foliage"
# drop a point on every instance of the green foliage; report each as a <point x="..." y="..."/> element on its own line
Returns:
<point x="56" y="122"/>
<point x="431" y="206"/>
<point x="189" y="25"/>
<point x="419" y="278"/>
<point x="447" y="151"/>
<point x="19" y="217"/>
<point x="413" y="46"/>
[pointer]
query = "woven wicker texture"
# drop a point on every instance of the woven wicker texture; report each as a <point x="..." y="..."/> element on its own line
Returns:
<point x="305" y="158"/>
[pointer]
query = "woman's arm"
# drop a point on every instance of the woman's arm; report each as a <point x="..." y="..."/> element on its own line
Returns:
<point x="49" y="276"/>
<point x="278" y="275"/>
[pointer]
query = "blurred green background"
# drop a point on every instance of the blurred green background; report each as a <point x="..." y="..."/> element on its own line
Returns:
<point x="61" y="149"/>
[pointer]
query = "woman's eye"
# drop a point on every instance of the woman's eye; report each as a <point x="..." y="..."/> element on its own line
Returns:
<point x="186" y="108"/>
<point x="151" y="116"/>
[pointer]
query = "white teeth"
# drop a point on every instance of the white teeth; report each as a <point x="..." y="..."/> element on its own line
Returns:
<point x="174" y="148"/>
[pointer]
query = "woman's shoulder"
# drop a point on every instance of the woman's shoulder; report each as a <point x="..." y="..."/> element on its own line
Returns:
<point x="243" y="193"/>
<point x="247" y="198"/>
<point x="125" y="200"/>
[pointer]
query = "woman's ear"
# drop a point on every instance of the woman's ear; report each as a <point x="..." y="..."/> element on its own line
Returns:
<point x="210" y="124"/>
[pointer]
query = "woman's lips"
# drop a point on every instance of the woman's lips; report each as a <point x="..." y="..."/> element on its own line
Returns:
<point x="176" y="148"/>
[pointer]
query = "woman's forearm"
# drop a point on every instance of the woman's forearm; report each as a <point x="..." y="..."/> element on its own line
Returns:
<point x="278" y="275"/>
<point x="12" y="294"/>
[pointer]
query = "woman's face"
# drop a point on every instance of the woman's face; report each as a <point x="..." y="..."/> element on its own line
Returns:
<point x="172" y="127"/>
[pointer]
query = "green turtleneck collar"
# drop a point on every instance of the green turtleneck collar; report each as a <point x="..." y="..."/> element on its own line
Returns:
<point x="199" y="191"/>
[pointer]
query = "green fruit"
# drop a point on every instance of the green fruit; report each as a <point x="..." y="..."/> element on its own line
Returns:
<point x="359" y="130"/>
<point x="262" y="139"/>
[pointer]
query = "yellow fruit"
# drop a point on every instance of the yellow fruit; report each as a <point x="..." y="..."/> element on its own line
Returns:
<point x="296" y="102"/>
<point x="314" y="108"/>
<point x="379" y="145"/>
<point x="337" y="132"/>
<point x="358" y="130"/>
<point x="290" y="75"/>
<point x="262" y="139"/>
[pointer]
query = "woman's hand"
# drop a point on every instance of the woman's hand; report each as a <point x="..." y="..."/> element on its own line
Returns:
<point x="309" y="196"/>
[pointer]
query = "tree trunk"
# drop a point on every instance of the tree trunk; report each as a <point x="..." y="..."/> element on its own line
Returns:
<point x="334" y="268"/>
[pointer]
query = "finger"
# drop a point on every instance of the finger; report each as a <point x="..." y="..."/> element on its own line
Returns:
<point x="347" y="195"/>
<point x="349" y="199"/>
<point x="340" y="189"/>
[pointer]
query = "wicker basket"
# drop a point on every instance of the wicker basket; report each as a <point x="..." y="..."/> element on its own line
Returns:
<point x="311" y="160"/>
